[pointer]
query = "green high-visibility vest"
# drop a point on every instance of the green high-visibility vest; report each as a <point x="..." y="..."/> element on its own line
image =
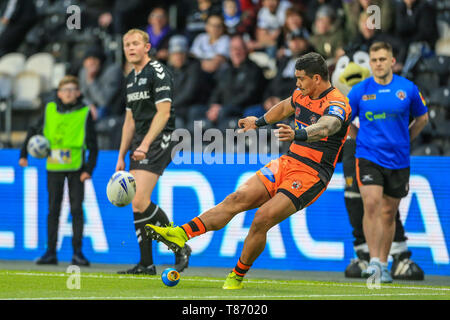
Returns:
<point x="66" y="133"/>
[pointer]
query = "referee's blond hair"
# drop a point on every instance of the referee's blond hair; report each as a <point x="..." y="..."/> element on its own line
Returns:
<point x="143" y="34"/>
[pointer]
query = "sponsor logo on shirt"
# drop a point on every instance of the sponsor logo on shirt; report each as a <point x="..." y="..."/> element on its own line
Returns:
<point x="142" y="81"/>
<point x="337" y="111"/>
<point x="401" y="94"/>
<point x="163" y="88"/>
<point x="375" y="116"/>
<point x="379" y="116"/>
<point x="369" y="97"/>
<point x="299" y="125"/>
<point x="140" y="95"/>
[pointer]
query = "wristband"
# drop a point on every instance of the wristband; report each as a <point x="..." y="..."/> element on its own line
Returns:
<point x="261" y="121"/>
<point x="301" y="135"/>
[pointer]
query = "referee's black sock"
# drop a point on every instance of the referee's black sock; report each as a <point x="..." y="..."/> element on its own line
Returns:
<point x="145" y="243"/>
<point x="158" y="217"/>
<point x="152" y="215"/>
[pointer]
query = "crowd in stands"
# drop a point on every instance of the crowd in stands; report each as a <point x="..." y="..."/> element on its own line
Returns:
<point x="229" y="58"/>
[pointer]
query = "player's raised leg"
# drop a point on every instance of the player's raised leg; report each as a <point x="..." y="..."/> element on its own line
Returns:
<point x="249" y="195"/>
<point x="268" y="215"/>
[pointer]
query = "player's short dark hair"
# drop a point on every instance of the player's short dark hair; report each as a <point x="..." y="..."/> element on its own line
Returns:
<point x="380" y="45"/>
<point x="313" y="63"/>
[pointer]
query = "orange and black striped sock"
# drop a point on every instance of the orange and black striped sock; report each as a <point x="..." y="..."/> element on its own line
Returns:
<point x="241" y="269"/>
<point x="194" y="228"/>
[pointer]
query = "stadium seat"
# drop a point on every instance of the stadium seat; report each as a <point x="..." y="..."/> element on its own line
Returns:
<point x="426" y="81"/>
<point x="26" y="91"/>
<point x="442" y="128"/>
<point x="443" y="29"/>
<point x="440" y="97"/>
<point x="436" y="112"/>
<point x="426" y="150"/>
<point x="443" y="47"/>
<point x="109" y="131"/>
<point x="42" y="63"/>
<point x="5" y="104"/>
<point x="59" y="71"/>
<point x="438" y="64"/>
<point x="265" y="62"/>
<point x="6" y="82"/>
<point x="12" y="63"/>
<point x="428" y="130"/>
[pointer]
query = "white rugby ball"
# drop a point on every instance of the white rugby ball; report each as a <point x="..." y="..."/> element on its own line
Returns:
<point x="38" y="146"/>
<point x="121" y="188"/>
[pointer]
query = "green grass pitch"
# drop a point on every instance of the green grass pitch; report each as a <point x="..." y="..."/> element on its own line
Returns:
<point x="42" y="285"/>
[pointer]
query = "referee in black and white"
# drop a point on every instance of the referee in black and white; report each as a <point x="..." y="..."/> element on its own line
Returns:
<point x="149" y="123"/>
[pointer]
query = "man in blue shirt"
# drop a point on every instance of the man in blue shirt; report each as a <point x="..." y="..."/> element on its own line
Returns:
<point x="384" y="104"/>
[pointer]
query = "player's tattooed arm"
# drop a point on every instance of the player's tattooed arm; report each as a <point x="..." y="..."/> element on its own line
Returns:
<point x="326" y="126"/>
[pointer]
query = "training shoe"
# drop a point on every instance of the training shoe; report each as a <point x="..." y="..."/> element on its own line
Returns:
<point x="182" y="258"/>
<point x="233" y="281"/>
<point x="173" y="237"/>
<point x="385" y="276"/>
<point x="373" y="268"/>
<point x="403" y="268"/>
<point x="140" y="269"/>
<point x="357" y="265"/>
<point x="79" y="259"/>
<point x="48" y="258"/>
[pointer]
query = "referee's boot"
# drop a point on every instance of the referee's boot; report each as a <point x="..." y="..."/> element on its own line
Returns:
<point x="79" y="259"/>
<point x="357" y="265"/>
<point x="139" y="269"/>
<point x="182" y="258"/>
<point x="49" y="257"/>
<point x="403" y="268"/>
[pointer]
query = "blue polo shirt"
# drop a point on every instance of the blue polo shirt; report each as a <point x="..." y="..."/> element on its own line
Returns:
<point x="384" y="112"/>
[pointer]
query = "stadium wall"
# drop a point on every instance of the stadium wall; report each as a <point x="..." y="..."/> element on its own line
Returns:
<point x="319" y="238"/>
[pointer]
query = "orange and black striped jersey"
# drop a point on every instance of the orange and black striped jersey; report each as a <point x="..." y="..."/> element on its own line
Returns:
<point x="320" y="155"/>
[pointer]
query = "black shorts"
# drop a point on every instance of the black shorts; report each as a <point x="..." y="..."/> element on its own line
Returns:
<point x="395" y="182"/>
<point x="158" y="157"/>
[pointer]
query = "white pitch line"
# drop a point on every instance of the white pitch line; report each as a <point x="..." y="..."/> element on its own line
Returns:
<point x="350" y="285"/>
<point x="225" y="297"/>
<point x="146" y="278"/>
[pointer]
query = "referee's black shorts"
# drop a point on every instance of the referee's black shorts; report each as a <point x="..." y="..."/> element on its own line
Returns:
<point x="395" y="182"/>
<point x="158" y="156"/>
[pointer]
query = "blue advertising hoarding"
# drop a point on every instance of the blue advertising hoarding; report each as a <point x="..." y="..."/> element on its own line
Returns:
<point x="317" y="238"/>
